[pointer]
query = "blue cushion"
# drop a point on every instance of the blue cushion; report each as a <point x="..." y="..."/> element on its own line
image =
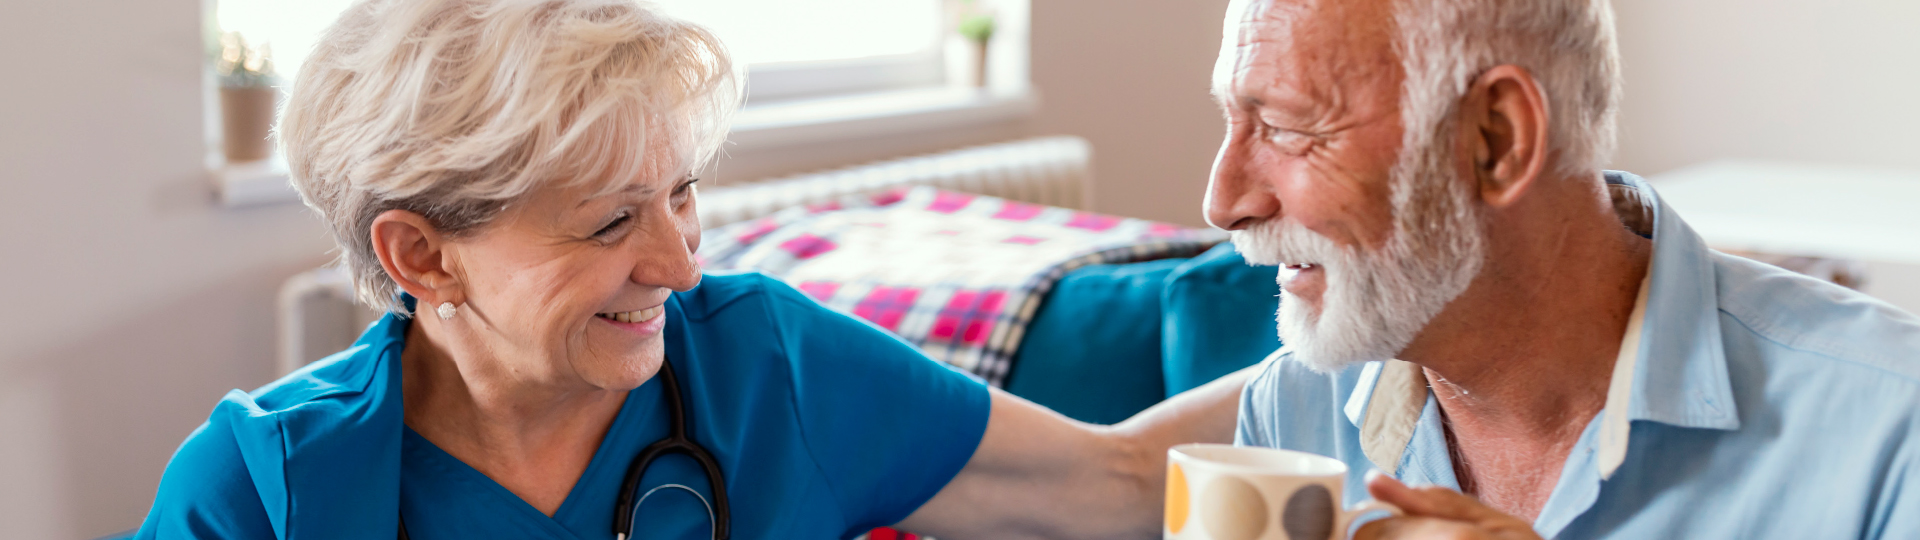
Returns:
<point x="1218" y="317"/>
<point x="1092" y="351"/>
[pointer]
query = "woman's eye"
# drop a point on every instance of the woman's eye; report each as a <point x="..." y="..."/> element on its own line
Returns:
<point x="682" y="192"/>
<point x="613" y="226"/>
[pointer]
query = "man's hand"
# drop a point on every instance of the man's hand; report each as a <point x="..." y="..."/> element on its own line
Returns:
<point x="1438" y="513"/>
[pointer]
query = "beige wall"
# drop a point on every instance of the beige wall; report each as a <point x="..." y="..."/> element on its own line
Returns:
<point x="1132" y="77"/>
<point x="132" y="301"/>
<point x="1832" y="81"/>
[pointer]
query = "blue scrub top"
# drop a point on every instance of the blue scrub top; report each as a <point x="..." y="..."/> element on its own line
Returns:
<point x="824" y="426"/>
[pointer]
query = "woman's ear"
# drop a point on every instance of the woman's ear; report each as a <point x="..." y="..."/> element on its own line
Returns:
<point x="415" y="254"/>
<point x="1504" y="122"/>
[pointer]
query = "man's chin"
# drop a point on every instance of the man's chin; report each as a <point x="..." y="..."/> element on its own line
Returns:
<point x="1299" y="333"/>
<point x="1321" y="349"/>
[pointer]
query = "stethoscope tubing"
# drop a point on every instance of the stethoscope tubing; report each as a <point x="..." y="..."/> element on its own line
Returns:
<point x="679" y="441"/>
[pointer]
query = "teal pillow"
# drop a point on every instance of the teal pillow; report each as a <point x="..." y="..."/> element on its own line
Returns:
<point x="1218" y="317"/>
<point x="1092" y="351"/>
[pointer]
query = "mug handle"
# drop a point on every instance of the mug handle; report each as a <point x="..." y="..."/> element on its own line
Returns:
<point x="1365" y="507"/>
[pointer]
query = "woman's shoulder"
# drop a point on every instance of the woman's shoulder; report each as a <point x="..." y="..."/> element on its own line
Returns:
<point x="263" y="450"/>
<point x="358" y="377"/>
<point x="742" y="293"/>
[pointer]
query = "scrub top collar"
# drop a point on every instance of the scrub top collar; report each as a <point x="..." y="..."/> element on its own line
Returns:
<point x="301" y="435"/>
<point x="1672" y="351"/>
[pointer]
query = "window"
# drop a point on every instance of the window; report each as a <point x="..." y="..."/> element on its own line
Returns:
<point x="818" y="71"/>
<point x="824" y="47"/>
<point x="793" y="49"/>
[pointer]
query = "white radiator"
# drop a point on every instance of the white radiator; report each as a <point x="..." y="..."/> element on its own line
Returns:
<point x="318" y="315"/>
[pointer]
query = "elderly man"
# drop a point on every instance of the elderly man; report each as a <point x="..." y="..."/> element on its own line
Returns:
<point x="1472" y="304"/>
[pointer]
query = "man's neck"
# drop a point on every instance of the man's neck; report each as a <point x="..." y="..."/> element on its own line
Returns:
<point x="1521" y="361"/>
<point x="1530" y="346"/>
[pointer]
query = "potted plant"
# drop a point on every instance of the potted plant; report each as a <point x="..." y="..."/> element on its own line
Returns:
<point x="974" y="28"/>
<point x="247" y="98"/>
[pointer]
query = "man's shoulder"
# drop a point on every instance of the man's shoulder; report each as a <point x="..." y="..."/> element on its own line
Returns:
<point x="1286" y="397"/>
<point x="1796" y="318"/>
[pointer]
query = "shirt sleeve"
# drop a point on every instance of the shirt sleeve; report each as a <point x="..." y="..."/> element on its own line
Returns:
<point x="206" y="492"/>
<point x="1255" y="402"/>
<point x="887" y="426"/>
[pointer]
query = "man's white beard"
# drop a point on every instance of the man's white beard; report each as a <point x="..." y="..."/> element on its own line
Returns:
<point x="1376" y="301"/>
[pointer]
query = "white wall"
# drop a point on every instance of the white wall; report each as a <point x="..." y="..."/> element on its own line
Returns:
<point x="1830" y="81"/>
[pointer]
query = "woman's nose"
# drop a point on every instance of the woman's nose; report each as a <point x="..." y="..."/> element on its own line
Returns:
<point x="667" y="256"/>
<point x="1237" y="196"/>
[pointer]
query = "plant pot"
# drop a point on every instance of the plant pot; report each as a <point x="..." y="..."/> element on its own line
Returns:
<point x="966" y="62"/>
<point x="979" y="63"/>
<point x="246" y="116"/>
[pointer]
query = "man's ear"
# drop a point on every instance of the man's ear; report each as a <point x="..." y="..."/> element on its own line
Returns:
<point x="415" y="256"/>
<point x="1504" y="127"/>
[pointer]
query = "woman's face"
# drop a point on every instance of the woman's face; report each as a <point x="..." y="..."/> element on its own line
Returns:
<point x="569" y="287"/>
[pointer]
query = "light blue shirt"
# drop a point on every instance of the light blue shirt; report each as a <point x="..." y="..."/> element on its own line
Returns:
<point x="1757" y="403"/>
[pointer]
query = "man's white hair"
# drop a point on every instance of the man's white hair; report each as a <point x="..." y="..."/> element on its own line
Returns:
<point x="1568" y="46"/>
<point x="453" y="109"/>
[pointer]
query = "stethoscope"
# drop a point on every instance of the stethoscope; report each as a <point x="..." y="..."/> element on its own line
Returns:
<point x="679" y="440"/>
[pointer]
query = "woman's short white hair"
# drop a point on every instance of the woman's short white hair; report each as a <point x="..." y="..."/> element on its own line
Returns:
<point x="1568" y="46"/>
<point x="453" y="109"/>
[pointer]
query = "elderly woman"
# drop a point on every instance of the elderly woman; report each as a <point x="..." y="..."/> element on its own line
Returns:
<point x="511" y="180"/>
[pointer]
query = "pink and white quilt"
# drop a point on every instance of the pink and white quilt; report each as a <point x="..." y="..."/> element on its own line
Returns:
<point x="956" y="274"/>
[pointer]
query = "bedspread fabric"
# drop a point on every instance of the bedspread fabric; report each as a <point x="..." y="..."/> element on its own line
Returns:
<point x="956" y="274"/>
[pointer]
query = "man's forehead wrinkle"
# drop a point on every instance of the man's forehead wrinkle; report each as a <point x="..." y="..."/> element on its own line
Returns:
<point x="1314" y="55"/>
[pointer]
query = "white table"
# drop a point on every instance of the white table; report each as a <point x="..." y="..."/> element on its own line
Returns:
<point x="1799" y="209"/>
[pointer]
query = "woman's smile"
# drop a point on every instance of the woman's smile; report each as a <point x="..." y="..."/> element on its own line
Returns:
<point x="645" y="322"/>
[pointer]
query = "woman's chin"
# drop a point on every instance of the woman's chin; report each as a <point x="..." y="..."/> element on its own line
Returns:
<point x="622" y="366"/>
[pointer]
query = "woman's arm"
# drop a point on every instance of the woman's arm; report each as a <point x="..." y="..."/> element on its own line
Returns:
<point x="1037" y="474"/>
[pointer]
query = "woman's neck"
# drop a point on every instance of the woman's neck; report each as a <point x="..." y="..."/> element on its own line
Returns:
<point x="532" y="436"/>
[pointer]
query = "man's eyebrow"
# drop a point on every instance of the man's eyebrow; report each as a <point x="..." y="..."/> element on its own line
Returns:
<point x="1226" y="101"/>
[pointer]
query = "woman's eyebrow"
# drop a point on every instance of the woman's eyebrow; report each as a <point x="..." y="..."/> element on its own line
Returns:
<point x="631" y="189"/>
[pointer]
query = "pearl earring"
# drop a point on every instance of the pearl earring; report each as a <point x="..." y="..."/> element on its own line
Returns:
<point x="445" y="310"/>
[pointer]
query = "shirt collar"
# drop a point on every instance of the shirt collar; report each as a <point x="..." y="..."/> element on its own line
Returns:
<point x="1672" y="349"/>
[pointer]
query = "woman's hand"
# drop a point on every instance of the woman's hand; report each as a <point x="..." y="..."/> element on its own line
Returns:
<point x="1438" y="513"/>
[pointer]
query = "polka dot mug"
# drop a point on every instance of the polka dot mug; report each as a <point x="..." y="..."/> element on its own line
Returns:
<point x="1223" y="492"/>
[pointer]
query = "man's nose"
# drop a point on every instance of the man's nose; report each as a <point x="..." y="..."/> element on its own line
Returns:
<point x="1237" y="196"/>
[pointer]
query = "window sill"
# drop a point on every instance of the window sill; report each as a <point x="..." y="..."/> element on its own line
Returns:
<point x="756" y="127"/>
<point x="842" y="118"/>
<point x="256" y="183"/>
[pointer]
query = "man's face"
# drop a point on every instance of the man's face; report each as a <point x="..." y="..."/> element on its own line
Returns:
<point x="1374" y="239"/>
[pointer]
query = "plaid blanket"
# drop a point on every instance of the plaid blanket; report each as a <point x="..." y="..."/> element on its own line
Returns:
<point x="956" y="274"/>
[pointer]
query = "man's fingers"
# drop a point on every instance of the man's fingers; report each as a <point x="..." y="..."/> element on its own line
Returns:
<point x="1423" y="528"/>
<point x="1429" y="501"/>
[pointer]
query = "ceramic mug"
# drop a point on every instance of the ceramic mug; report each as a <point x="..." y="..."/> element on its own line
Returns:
<point x="1224" y="492"/>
